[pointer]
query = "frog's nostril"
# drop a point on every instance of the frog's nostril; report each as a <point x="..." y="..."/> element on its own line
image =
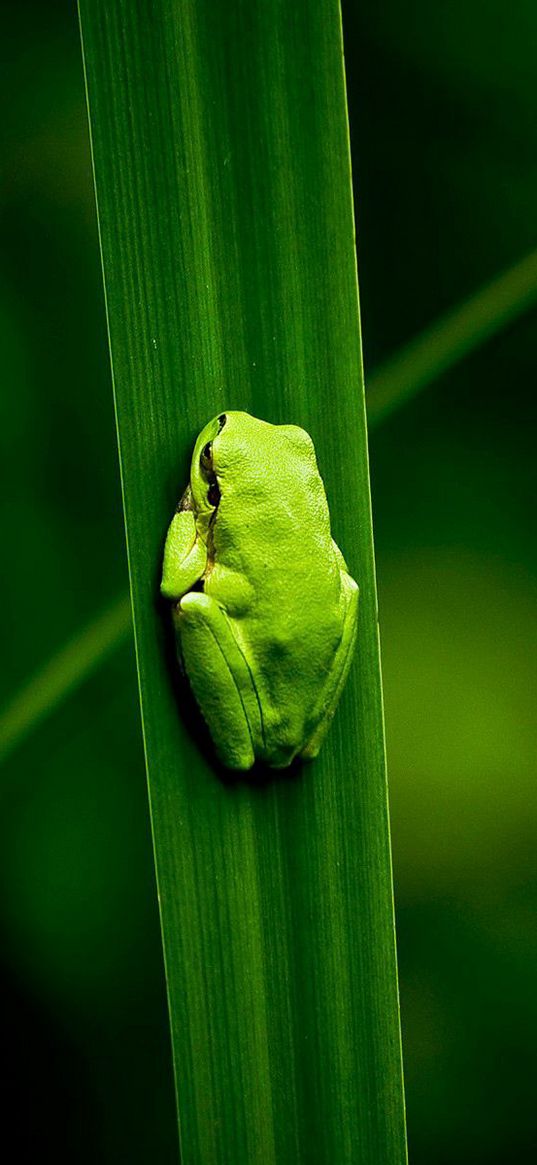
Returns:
<point x="221" y="421"/>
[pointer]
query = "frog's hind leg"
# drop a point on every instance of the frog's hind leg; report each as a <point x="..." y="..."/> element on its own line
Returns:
<point x="220" y="679"/>
<point x="336" y="683"/>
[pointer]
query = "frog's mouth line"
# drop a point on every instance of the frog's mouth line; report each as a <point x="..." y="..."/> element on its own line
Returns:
<point x="214" y="492"/>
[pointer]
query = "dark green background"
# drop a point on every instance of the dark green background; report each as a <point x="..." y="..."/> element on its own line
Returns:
<point x="443" y="104"/>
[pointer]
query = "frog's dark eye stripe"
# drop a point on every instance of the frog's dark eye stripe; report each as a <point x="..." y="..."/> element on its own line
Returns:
<point x="213" y="495"/>
<point x="207" y="469"/>
<point x="221" y="421"/>
<point x="206" y="459"/>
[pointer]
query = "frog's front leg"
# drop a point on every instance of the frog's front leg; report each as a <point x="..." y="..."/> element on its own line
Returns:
<point x="185" y="556"/>
<point x="220" y="679"/>
<point x="340" y="669"/>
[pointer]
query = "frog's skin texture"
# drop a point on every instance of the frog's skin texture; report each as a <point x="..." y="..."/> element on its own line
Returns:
<point x="264" y="608"/>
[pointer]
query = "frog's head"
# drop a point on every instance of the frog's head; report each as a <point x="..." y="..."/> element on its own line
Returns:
<point x="236" y="448"/>
<point x="225" y="444"/>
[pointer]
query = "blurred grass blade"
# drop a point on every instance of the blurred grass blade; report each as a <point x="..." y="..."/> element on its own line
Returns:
<point x="451" y="338"/>
<point x="221" y="159"/>
<point x="63" y="674"/>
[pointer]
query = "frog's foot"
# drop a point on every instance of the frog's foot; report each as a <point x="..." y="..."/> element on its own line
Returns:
<point x="185" y="556"/>
<point x="220" y="679"/>
<point x="340" y="670"/>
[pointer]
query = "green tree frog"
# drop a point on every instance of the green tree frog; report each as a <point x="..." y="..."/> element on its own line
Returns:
<point x="264" y="608"/>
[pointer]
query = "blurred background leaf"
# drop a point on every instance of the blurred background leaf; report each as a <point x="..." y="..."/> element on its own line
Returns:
<point x="443" y="112"/>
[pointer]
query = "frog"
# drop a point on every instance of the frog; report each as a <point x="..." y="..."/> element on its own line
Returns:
<point x="263" y="605"/>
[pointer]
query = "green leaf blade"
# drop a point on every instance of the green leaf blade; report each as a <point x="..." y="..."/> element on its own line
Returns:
<point x="222" y="170"/>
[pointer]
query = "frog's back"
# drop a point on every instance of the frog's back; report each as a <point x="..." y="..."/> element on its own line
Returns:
<point x="280" y="543"/>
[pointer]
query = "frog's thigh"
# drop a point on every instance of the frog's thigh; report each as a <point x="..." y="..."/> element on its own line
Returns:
<point x="340" y="670"/>
<point x="220" y="679"/>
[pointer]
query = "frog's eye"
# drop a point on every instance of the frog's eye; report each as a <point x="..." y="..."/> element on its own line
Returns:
<point x="206" y="458"/>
